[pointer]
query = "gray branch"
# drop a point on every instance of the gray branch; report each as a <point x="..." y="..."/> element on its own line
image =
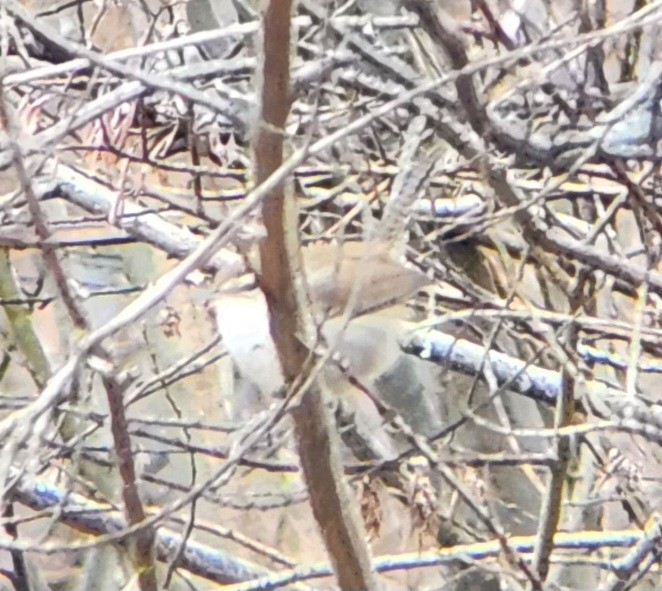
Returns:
<point x="82" y="514"/>
<point x="543" y="385"/>
<point x="133" y="218"/>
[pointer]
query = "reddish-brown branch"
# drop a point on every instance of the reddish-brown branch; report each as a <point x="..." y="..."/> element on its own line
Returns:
<point x="279" y="255"/>
<point x="143" y="556"/>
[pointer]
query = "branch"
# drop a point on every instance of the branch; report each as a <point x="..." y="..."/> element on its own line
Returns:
<point x="336" y="516"/>
<point x="141" y="549"/>
<point x="542" y="385"/>
<point x="445" y="32"/>
<point x="96" y="518"/>
<point x="135" y="220"/>
<point x="197" y="39"/>
<point x="552" y="503"/>
<point x="590" y="541"/>
<point x="626" y="569"/>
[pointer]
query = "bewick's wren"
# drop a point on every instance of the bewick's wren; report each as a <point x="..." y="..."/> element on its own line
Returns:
<point x="364" y="275"/>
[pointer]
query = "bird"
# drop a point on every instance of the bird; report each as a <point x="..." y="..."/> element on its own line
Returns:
<point x="356" y="290"/>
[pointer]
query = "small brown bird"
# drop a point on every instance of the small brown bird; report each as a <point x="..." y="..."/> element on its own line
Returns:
<point x="364" y="275"/>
